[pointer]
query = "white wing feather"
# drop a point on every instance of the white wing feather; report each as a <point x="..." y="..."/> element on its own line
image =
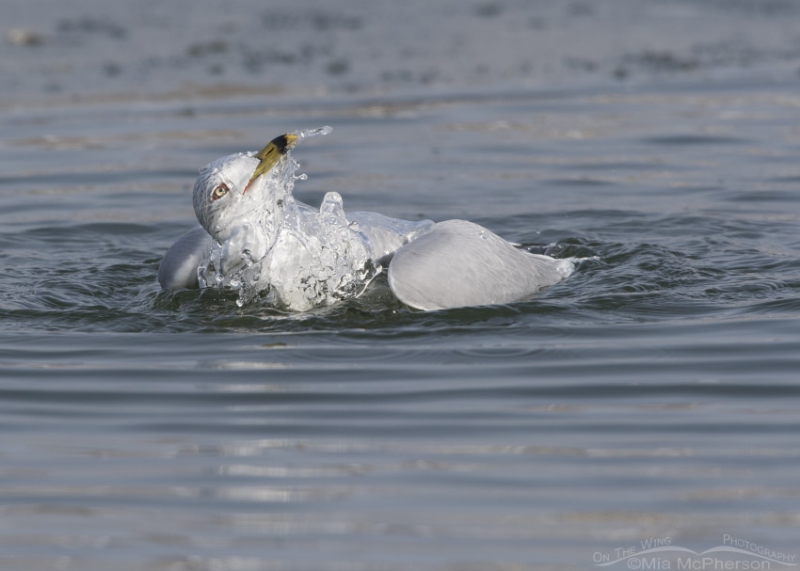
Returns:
<point x="178" y="269"/>
<point x="459" y="263"/>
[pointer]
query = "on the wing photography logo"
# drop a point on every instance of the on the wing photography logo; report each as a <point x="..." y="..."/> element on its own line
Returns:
<point x="734" y="553"/>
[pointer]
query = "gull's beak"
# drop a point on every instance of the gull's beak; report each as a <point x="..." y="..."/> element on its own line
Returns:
<point x="271" y="154"/>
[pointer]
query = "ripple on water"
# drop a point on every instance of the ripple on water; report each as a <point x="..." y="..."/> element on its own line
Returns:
<point x="653" y="393"/>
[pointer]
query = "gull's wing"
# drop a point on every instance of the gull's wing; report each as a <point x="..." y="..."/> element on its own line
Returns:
<point x="178" y="269"/>
<point x="458" y="263"/>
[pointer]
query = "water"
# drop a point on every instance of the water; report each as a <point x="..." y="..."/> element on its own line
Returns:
<point x="652" y="394"/>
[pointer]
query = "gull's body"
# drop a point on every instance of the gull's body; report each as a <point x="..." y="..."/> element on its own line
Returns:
<point x="257" y="238"/>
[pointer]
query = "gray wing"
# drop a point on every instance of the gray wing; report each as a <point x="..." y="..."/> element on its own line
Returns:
<point x="178" y="269"/>
<point x="386" y="235"/>
<point x="458" y="263"/>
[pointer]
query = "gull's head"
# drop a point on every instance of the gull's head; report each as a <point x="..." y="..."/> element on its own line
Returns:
<point x="232" y="187"/>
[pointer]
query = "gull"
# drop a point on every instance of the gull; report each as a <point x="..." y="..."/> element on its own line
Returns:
<point x="255" y="237"/>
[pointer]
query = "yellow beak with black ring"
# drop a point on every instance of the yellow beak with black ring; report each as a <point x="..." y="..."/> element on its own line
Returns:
<point x="271" y="154"/>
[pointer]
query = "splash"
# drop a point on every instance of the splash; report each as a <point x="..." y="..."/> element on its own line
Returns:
<point x="284" y="253"/>
<point x="301" y="135"/>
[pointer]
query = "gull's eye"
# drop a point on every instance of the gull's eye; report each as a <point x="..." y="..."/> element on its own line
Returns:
<point x="219" y="191"/>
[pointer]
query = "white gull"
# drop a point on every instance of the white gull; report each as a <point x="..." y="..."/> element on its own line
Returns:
<point x="255" y="237"/>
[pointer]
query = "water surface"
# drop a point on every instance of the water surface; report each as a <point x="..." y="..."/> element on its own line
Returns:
<point x="652" y="394"/>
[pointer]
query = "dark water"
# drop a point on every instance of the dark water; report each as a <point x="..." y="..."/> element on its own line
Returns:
<point x="653" y="394"/>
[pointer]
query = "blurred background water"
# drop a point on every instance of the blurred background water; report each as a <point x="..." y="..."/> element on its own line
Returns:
<point x="654" y="394"/>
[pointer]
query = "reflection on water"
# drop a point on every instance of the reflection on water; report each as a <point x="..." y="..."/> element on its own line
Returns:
<point x="652" y="394"/>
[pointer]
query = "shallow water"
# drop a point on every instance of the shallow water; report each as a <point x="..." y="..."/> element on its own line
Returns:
<point x="652" y="394"/>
